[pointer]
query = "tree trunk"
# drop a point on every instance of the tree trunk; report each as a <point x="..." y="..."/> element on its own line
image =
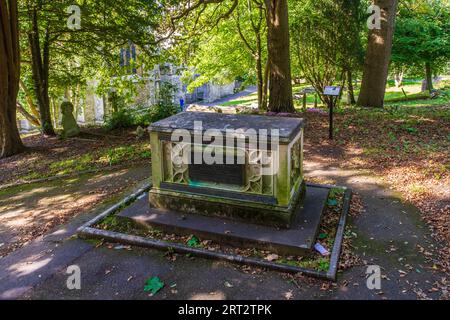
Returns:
<point x="351" y="92"/>
<point x="10" y="142"/>
<point x="32" y="119"/>
<point x="40" y="70"/>
<point x="29" y="99"/>
<point x="265" y="85"/>
<point x="378" y="55"/>
<point x="259" y="71"/>
<point x="280" y="83"/>
<point x="260" y="81"/>
<point x="429" y="76"/>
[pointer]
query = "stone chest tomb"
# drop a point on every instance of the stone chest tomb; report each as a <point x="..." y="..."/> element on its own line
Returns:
<point x="231" y="181"/>
<point x="244" y="167"/>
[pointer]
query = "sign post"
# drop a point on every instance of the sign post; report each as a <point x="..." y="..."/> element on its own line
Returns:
<point x="334" y="93"/>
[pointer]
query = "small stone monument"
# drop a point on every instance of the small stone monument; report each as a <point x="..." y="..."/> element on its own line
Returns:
<point x="252" y="189"/>
<point x="234" y="179"/>
<point x="70" y="126"/>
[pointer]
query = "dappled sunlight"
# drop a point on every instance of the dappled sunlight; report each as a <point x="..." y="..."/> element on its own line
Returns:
<point x="379" y="40"/>
<point x="405" y="151"/>
<point x="42" y="207"/>
<point x="13" y="293"/>
<point x="60" y="232"/>
<point x="10" y="214"/>
<point x="23" y="269"/>
<point x="25" y="194"/>
<point x="17" y="221"/>
<point x="216" y="295"/>
<point x="55" y="200"/>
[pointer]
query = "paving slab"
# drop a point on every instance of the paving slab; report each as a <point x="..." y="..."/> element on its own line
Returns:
<point x="297" y="240"/>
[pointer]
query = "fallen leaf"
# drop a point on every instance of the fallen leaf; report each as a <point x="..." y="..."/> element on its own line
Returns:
<point x="272" y="257"/>
<point x="154" y="285"/>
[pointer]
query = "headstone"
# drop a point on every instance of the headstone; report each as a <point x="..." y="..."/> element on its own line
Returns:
<point x="69" y="124"/>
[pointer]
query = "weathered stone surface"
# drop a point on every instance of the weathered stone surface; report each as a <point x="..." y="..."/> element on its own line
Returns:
<point x="70" y="126"/>
<point x="262" y="187"/>
<point x="288" y="127"/>
<point x="250" y="208"/>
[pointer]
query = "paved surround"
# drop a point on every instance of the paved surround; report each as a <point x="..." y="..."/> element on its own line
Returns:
<point x="297" y="240"/>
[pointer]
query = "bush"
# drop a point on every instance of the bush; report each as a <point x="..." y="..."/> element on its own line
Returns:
<point x="126" y="118"/>
<point x="121" y="119"/>
<point x="156" y="113"/>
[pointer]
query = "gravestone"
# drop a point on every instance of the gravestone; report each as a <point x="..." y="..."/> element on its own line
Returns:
<point x="256" y="174"/>
<point x="69" y="124"/>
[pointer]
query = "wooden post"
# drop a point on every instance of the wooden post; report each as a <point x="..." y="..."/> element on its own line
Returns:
<point x="304" y="101"/>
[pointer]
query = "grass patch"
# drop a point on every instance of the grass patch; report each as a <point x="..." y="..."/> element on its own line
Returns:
<point x="97" y="159"/>
<point x="239" y="102"/>
<point x="117" y="155"/>
<point x="417" y="189"/>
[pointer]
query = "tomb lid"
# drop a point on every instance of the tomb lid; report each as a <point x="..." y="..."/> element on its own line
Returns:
<point x="288" y="127"/>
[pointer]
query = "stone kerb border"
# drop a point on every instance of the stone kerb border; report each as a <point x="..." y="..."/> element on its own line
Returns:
<point x="87" y="231"/>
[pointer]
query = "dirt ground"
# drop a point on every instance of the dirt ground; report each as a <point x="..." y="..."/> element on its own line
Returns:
<point x="30" y="211"/>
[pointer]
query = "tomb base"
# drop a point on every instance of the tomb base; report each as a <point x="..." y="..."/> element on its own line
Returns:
<point x="256" y="209"/>
<point x="299" y="239"/>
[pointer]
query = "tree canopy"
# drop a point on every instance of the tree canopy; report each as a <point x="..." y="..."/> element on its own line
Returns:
<point x="422" y="36"/>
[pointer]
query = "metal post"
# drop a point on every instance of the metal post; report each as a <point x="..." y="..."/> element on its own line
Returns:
<point x="331" y="119"/>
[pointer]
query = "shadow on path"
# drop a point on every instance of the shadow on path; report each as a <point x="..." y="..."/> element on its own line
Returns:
<point x="388" y="233"/>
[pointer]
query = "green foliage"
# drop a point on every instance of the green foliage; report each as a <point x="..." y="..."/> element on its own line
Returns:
<point x="78" y="56"/>
<point x="324" y="44"/>
<point x="193" y="242"/>
<point x="221" y="56"/>
<point x="69" y="165"/>
<point x="124" y="118"/>
<point x="114" y="156"/>
<point x="323" y="265"/>
<point x="155" y="113"/>
<point x="153" y="285"/>
<point x="422" y="35"/>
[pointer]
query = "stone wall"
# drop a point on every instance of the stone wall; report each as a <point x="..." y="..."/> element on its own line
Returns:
<point x="216" y="92"/>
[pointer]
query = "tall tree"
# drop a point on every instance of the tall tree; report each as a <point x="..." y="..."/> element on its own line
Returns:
<point x="422" y="37"/>
<point x="54" y="49"/>
<point x="254" y="14"/>
<point x="10" y="141"/>
<point x="280" y="81"/>
<point x="40" y="61"/>
<point x="378" y="55"/>
<point x="326" y="45"/>
<point x="186" y="16"/>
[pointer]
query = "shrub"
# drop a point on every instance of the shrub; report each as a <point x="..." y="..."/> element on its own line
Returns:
<point x="121" y="119"/>
<point x="155" y="113"/>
